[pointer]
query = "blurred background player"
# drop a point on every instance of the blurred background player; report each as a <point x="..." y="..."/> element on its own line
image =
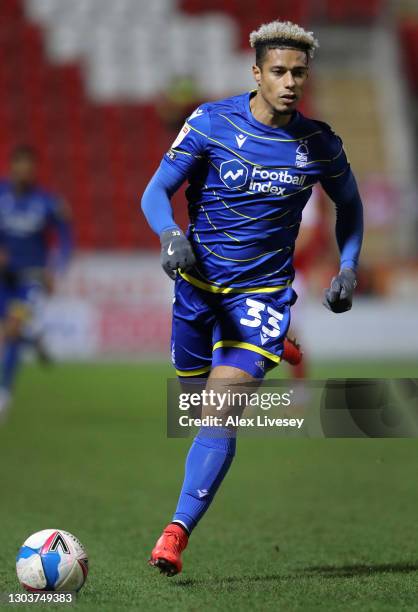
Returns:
<point x="177" y="102"/>
<point x="29" y="216"/>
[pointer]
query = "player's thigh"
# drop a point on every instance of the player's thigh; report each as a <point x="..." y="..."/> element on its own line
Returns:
<point x="226" y="372"/>
<point x="250" y="331"/>
<point x="192" y="329"/>
<point x="17" y="318"/>
<point x="22" y="308"/>
<point x="15" y="310"/>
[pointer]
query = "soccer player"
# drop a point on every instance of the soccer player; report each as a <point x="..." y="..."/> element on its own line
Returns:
<point x="251" y="162"/>
<point x="27" y="213"/>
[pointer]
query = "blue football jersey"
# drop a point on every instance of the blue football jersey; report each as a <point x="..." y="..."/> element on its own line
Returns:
<point x="248" y="185"/>
<point x="24" y="220"/>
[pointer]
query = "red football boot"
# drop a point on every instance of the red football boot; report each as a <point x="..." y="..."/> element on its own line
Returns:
<point x="166" y="554"/>
<point x="291" y="351"/>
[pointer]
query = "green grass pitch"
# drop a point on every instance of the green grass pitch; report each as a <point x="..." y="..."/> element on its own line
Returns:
<point x="298" y="525"/>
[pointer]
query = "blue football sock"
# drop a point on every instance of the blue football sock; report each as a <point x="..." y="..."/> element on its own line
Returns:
<point x="10" y="362"/>
<point x="207" y="463"/>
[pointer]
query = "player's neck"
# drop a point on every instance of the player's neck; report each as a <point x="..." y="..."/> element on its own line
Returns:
<point x="264" y="113"/>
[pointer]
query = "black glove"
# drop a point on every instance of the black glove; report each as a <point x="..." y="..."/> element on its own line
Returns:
<point x="176" y="252"/>
<point x="339" y="297"/>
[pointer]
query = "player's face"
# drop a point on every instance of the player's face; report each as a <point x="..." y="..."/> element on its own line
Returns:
<point x="23" y="171"/>
<point x="281" y="78"/>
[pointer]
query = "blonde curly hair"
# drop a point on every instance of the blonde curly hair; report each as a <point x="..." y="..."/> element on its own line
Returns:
<point x="284" y="34"/>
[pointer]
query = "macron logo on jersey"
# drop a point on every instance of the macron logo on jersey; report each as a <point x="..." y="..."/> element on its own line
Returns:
<point x="233" y="173"/>
<point x="197" y="113"/>
<point x="240" y="139"/>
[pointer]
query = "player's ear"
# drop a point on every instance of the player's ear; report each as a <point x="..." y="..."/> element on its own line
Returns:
<point x="257" y="74"/>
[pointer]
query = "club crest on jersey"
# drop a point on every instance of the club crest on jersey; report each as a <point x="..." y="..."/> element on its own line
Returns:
<point x="233" y="173"/>
<point x="302" y="153"/>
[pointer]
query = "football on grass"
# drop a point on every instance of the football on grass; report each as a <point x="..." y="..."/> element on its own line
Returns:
<point x="52" y="560"/>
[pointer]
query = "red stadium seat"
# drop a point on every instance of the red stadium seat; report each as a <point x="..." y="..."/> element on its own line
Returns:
<point x="356" y="11"/>
<point x="99" y="157"/>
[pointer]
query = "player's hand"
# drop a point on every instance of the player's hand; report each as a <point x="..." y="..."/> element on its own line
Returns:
<point x="339" y="297"/>
<point x="176" y="252"/>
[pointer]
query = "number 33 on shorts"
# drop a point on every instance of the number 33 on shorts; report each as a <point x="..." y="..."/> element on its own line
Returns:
<point x="268" y="321"/>
<point x="255" y="308"/>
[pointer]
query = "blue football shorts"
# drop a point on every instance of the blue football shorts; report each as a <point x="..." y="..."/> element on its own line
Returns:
<point x="244" y="330"/>
<point x="20" y="301"/>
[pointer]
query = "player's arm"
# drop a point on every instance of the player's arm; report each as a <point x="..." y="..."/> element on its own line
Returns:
<point x="60" y="222"/>
<point x="176" y="250"/>
<point x="176" y="166"/>
<point x="342" y="188"/>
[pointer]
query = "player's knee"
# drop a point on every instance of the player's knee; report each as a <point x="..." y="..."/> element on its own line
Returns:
<point x="224" y="399"/>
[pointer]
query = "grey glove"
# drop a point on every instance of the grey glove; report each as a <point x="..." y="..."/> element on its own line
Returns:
<point x="176" y="252"/>
<point x="339" y="297"/>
